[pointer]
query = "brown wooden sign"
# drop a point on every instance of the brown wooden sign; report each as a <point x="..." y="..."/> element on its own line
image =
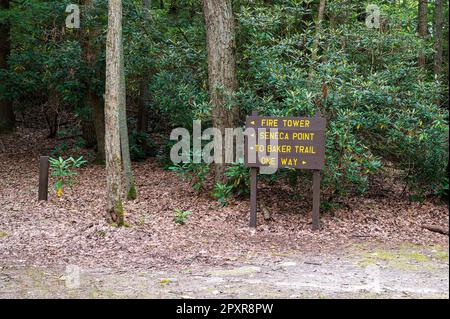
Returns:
<point x="285" y="142"/>
<point x="291" y="142"/>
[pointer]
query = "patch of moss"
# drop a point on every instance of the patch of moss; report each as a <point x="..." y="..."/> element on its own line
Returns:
<point x="132" y="193"/>
<point x="118" y="208"/>
<point x="164" y="282"/>
<point x="417" y="256"/>
<point x="3" y="234"/>
<point x="441" y="255"/>
<point x="404" y="258"/>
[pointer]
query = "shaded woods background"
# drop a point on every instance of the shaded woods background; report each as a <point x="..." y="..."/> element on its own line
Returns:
<point x="384" y="91"/>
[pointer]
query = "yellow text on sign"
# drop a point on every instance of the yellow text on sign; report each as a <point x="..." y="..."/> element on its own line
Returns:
<point x="267" y="160"/>
<point x="296" y="123"/>
<point x="301" y="149"/>
<point x="285" y="136"/>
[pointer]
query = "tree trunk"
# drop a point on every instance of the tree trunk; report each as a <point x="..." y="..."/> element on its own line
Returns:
<point x="422" y="27"/>
<point x="173" y="8"/>
<point x="315" y="46"/>
<point x="148" y="4"/>
<point x="318" y="28"/>
<point x="94" y="102"/>
<point x="142" y="120"/>
<point x="438" y="24"/>
<point x="7" y="119"/>
<point x="98" y="115"/>
<point x="113" y="91"/>
<point x="124" y="142"/>
<point x="222" y="80"/>
<point x="51" y="112"/>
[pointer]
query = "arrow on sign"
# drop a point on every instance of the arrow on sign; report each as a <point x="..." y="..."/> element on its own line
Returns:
<point x="252" y="122"/>
<point x="304" y="162"/>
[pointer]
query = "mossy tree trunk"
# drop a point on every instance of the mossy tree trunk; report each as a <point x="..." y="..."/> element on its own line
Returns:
<point x="222" y="80"/>
<point x="113" y="92"/>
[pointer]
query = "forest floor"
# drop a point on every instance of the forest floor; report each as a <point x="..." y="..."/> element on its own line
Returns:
<point x="373" y="246"/>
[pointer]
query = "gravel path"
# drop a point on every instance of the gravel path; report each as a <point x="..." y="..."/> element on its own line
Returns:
<point x="362" y="272"/>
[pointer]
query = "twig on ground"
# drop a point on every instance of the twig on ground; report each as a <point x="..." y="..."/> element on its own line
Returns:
<point x="436" y="229"/>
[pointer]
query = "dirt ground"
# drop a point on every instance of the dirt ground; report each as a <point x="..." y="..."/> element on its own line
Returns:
<point x="372" y="247"/>
<point x="362" y="272"/>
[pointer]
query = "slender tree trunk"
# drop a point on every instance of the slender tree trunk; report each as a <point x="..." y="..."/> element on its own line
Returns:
<point x="422" y="27"/>
<point x="318" y="29"/>
<point x="147" y="4"/>
<point x="173" y="8"/>
<point x="142" y="121"/>
<point x="94" y="101"/>
<point x="124" y="142"/>
<point x="113" y="91"/>
<point x="98" y="115"/>
<point x="315" y="46"/>
<point x="438" y="24"/>
<point x="51" y="112"/>
<point x="7" y="119"/>
<point x="222" y="80"/>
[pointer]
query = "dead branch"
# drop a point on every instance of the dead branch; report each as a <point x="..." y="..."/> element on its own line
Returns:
<point x="436" y="229"/>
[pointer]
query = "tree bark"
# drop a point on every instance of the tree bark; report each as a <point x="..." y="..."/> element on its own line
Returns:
<point x="7" y="119"/>
<point x="94" y="101"/>
<point x="113" y="91"/>
<point x="147" y="4"/>
<point x="318" y="29"/>
<point x="222" y="80"/>
<point x="173" y="8"/>
<point x="422" y="27"/>
<point x="124" y="142"/>
<point x="98" y="115"/>
<point x="438" y="24"/>
<point x="142" y="120"/>
<point x="315" y="46"/>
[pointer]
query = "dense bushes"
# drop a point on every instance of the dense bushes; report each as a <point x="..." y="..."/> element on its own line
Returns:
<point x="380" y="106"/>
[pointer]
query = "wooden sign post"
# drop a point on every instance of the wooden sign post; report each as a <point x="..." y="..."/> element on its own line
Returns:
<point x="43" y="178"/>
<point x="285" y="142"/>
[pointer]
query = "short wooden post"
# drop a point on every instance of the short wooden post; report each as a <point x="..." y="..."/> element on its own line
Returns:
<point x="316" y="200"/>
<point x="43" y="178"/>
<point x="253" y="189"/>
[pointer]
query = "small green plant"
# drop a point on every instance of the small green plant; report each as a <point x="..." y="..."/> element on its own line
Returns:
<point x="222" y="192"/>
<point x="62" y="170"/>
<point x="196" y="173"/>
<point x="181" y="216"/>
<point x="60" y="149"/>
<point x="141" y="146"/>
<point x="239" y="178"/>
